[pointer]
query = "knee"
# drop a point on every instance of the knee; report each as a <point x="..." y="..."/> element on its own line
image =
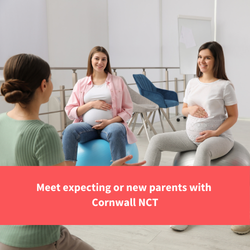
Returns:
<point x="204" y="150"/>
<point x="70" y="132"/>
<point x="155" y="140"/>
<point x="116" y="132"/>
<point x="68" y="129"/>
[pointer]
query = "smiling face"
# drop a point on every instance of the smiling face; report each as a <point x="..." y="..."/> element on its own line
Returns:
<point x="206" y="61"/>
<point x="99" y="62"/>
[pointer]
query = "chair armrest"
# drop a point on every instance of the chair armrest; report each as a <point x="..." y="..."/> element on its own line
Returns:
<point x="168" y="94"/>
<point x="154" y="97"/>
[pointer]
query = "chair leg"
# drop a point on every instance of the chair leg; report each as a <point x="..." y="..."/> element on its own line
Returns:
<point x="161" y="120"/>
<point x="167" y="113"/>
<point x="149" y="117"/>
<point x="169" y="122"/>
<point x="141" y="128"/>
<point x="149" y="123"/>
<point x="153" y="118"/>
<point x="145" y="127"/>
<point x="131" y="119"/>
<point x="135" y="118"/>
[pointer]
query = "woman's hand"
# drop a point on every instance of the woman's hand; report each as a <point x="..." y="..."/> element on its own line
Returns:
<point x="197" y="111"/>
<point x="94" y="104"/>
<point x="122" y="162"/>
<point x="205" y="134"/>
<point x="101" y="105"/>
<point x="102" y="124"/>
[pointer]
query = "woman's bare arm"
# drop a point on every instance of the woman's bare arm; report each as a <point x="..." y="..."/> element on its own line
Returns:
<point x="195" y="110"/>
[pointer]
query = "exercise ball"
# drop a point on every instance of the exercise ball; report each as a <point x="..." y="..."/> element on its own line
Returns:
<point x="237" y="156"/>
<point x="97" y="153"/>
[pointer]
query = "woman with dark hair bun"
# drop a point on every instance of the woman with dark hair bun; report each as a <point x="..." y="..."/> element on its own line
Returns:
<point x="210" y="106"/>
<point x="100" y="105"/>
<point x="28" y="85"/>
<point x="27" y="141"/>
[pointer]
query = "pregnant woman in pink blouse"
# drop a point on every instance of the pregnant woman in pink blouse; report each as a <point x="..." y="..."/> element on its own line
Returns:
<point x="100" y="105"/>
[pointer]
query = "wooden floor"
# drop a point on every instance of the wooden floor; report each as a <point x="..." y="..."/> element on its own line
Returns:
<point x="162" y="237"/>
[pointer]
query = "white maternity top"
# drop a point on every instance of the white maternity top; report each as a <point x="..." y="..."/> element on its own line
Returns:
<point x="97" y="92"/>
<point x="213" y="97"/>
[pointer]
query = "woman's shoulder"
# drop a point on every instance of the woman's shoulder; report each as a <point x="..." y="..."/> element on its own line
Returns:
<point x="84" y="81"/>
<point x="225" y="83"/>
<point x="2" y="116"/>
<point x="35" y="124"/>
<point x="222" y="81"/>
<point x="38" y="127"/>
<point x="117" y="81"/>
<point x="48" y="127"/>
<point x="114" y="78"/>
<point x="192" y="82"/>
<point x="47" y="132"/>
<point x="40" y="132"/>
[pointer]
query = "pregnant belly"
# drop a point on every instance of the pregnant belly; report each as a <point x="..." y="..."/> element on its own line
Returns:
<point x="196" y="125"/>
<point x="96" y="114"/>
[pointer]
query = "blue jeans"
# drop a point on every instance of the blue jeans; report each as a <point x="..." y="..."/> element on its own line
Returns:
<point x="82" y="132"/>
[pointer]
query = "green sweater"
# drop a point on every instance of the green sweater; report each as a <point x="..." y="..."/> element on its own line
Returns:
<point x="28" y="143"/>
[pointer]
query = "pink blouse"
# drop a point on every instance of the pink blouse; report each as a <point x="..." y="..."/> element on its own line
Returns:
<point x="121" y="101"/>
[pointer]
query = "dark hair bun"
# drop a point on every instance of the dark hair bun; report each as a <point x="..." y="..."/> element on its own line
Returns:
<point x="15" y="91"/>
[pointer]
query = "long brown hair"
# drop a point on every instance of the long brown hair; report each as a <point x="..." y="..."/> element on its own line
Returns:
<point x="92" y="52"/>
<point x="219" y="61"/>
<point x="23" y="74"/>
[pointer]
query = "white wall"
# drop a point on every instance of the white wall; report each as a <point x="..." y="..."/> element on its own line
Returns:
<point x="74" y="28"/>
<point x="134" y="33"/>
<point x="23" y="29"/>
<point x="233" y="34"/>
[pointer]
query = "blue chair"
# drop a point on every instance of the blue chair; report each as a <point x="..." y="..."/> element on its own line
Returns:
<point x="164" y="98"/>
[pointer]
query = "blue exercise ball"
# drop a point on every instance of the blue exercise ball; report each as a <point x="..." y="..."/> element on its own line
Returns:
<point x="97" y="153"/>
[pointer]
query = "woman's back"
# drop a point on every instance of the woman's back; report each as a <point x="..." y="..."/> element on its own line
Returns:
<point x="28" y="143"/>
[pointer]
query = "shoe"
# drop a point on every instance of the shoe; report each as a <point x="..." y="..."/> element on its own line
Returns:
<point x="178" y="227"/>
<point x="244" y="229"/>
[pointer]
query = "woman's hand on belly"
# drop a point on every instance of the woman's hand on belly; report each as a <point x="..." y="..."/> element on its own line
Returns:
<point x="205" y="134"/>
<point x="197" y="111"/>
<point x="101" y="105"/>
<point x="102" y="124"/>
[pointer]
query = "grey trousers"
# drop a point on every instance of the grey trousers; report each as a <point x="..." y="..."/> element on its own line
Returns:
<point x="66" y="241"/>
<point x="211" y="148"/>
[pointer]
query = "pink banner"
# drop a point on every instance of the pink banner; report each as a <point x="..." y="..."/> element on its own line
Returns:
<point x="125" y="195"/>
